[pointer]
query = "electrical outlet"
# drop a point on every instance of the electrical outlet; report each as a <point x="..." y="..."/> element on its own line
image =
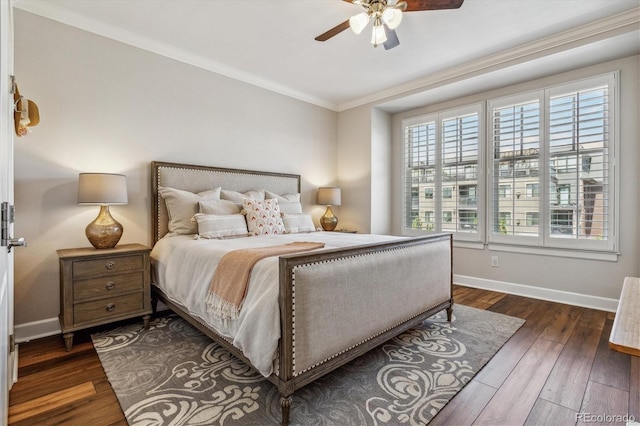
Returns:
<point x="494" y="261"/>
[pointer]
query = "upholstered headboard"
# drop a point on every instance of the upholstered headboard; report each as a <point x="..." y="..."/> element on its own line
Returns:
<point x="195" y="179"/>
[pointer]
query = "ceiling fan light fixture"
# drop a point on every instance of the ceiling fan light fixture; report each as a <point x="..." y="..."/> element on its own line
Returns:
<point x="358" y="22"/>
<point x="392" y="17"/>
<point x="378" y="35"/>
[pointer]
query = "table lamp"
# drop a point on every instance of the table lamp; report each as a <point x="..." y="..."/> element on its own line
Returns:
<point x="329" y="196"/>
<point x="103" y="189"/>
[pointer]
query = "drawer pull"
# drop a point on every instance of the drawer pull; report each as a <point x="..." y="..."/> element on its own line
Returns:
<point x="110" y="265"/>
<point x="110" y="307"/>
<point x="110" y="285"/>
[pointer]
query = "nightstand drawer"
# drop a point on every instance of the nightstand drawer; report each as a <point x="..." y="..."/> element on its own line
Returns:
<point x="112" y="264"/>
<point x="101" y="286"/>
<point x="109" y="307"/>
<point x="110" y="285"/>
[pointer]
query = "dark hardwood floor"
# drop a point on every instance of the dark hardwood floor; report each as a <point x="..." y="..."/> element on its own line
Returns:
<point x="556" y="368"/>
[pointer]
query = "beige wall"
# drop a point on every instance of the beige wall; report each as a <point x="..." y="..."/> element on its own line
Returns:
<point x="354" y="169"/>
<point x="110" y="107"/>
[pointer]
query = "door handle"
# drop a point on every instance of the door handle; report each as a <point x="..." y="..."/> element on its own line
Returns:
<point x="16" y="242"/>
<point x="6" y="219"/>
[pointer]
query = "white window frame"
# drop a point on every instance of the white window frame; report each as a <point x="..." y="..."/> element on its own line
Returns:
<point x="545" y="239"/>
<point x="543" y="243"/>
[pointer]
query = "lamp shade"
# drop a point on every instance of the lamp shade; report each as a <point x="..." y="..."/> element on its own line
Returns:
<point x="102" y="188"/>
<point x="329" y="196"/>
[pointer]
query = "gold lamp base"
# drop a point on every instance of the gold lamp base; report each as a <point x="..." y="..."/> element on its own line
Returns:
<point x="328" y="221"/>
<point x="105" y="231"/>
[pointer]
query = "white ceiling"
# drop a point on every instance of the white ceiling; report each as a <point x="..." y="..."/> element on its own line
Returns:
<point x="270" y="43"/>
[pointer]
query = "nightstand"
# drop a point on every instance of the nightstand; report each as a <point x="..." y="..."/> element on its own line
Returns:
<point x="99" y="286"/>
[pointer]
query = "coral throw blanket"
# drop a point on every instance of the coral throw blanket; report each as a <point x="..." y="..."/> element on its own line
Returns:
<point x="231" y="277"/>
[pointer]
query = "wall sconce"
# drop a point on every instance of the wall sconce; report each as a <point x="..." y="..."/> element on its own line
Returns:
<point x="103" y="189"/>
<point x="329" y="196"/>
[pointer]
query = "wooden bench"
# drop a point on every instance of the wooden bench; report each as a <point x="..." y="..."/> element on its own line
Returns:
<point x="625" y="333"/>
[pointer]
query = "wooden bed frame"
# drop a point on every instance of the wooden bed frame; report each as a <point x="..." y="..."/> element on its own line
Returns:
<point x="289" y="376"/>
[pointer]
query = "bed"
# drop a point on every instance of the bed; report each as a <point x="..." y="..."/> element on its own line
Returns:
<point x="379" y="285"/>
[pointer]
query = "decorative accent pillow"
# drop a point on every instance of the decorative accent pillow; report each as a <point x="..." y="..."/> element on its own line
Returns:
<point x="296" y="223"/>
<point x="263" y="217"/>
<point x="182" y="205"/>
<point x="219" y="207"/>
<point x="220" y="226"/>
<point x="289" y="203"/>
<point x="239" y="197"/>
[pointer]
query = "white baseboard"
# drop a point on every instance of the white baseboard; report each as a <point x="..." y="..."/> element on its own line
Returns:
<point x="576" y="299"/>
<point x="47" y="327"/>
<point x="37" y="329"/>
<point x="50" y="327"/>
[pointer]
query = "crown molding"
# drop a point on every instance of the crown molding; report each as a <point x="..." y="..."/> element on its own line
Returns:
<point x="575" y="37"/>
<point x="565" y="40"/>
<point x="50" y="11"/>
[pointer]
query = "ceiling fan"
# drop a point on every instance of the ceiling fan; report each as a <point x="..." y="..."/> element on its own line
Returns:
<point x="386" y="16"/>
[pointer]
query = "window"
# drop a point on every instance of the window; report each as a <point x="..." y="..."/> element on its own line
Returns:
<point x="505" y="217"/>
<point x="532" y="219"/>
<point x="563" y="194"/>
<point x="504" y="191"/>
<point x="428" y="193"/>
<point x="562" y="222"/>
<point x="447" y="145"/>
<point x="569" y="202"/>
<point x="550" y="161"/>
<point x="468" y="195"/>
<point x="447" y="192"/>
<point x="580" y="122"/>
<point x="468" y="220"/>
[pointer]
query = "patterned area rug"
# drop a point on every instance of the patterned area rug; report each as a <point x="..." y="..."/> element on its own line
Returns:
<point x="171" y="374"/>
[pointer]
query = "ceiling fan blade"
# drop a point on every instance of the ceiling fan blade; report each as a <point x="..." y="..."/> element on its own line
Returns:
<point x="417" y="5"/>
<point x="333" y="31"/>
<point x="392" y="38"/>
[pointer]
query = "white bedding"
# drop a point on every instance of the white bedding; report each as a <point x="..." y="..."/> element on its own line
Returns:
<point x="184" y="269"/>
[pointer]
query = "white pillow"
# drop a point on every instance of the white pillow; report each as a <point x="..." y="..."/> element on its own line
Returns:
<point x="239" y="197"/>
<point x="219" y="207"/>
<point x="287" y="198"/>
<point x="263" y="217"/>
<point x="220" y="226"/>
<point x="291" y="208"/>
<point x="296" y="223"/>
<point x="289" y="203"/>
<point x="182" y="205"/>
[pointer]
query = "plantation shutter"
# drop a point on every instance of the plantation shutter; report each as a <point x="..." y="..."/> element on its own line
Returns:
<point x="459" y="160"/>
<point x="420" y="169"/>
<point x="516" y="169"/>
<point x="579" y="190"/>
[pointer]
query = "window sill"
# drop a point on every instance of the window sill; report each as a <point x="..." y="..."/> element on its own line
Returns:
<point x="539" y="251"/>
<point x="556" y="252"/>
<point x="475" y="245"/>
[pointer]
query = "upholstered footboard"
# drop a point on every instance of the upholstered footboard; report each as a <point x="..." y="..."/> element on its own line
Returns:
<point x="337" y="304"/>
